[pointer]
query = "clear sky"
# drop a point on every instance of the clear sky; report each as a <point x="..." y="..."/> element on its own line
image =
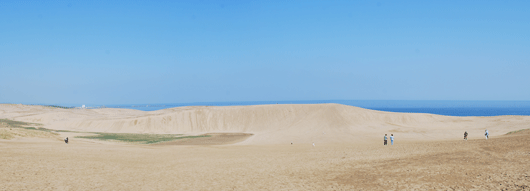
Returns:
<point x="128" y="52"/>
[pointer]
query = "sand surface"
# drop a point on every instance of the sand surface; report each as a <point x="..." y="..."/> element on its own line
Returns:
<point x="428" y="154"/>
<point x="211" y="139"/>
<point x="42" y="164"/>
<point x="270" y="124"/>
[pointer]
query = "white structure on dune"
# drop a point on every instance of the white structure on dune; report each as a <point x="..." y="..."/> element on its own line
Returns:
<point x="83" y="106"/>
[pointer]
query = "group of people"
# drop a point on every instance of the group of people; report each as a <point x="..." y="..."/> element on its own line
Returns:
<point x="391" y="139"/>
<point x="486" y="134"/>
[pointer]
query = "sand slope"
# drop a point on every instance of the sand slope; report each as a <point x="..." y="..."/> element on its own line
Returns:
<point x="428" y="155"/>
<point x="271" y="124"/>
<point x="500" y="163"/>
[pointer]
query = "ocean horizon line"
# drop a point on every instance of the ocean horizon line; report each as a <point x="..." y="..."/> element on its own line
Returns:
<point x="384" y="103"/>
<point x="439" y="107"/>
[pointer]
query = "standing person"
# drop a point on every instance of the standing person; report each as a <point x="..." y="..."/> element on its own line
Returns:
<point x="465" y="136"/>
<point x="391" y="139"/>
<point x="487" y="134"/>
<point x="66" y="140"/>
<point x="385" y="139"/>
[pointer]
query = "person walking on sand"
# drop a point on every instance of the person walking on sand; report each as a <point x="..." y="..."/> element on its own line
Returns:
<point x="391" y="139"/>
<point x="487" y="134"/>
<point x="465" y="136"/>
<point x="385" y="140"/>
<point x="66" y="140"/>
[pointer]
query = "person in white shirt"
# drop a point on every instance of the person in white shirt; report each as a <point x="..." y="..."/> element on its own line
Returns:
<point x="391" y="139"/>
<point x="487" y="134"/>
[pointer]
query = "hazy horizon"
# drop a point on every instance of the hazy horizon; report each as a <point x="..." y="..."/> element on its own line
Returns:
<point x="359" y="103"/>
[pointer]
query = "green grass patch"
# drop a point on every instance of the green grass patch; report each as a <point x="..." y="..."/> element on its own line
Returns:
<point x="511" y="132"/>
<point x="56" y="106"/>
<point x="24" y="125"/>
<point x="139" y="138"/>
<point x="15" y="124"/>
<point x="19" y="124"/>
<point x="10" y="129"/>
<point x="62" y="131"/>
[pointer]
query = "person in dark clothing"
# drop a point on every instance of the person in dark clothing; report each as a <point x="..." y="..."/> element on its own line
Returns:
<point x="465" y="136"/>
<point x="66" y="140"/>
<point x="385" y="140"/>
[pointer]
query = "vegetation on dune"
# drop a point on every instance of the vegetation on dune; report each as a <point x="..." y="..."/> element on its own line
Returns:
<point x="15" y="124"/>
<point x="11" y="129"/>
<point x="511" y="132"/>
<point x="6" y="134"/>
<point x="139" y="138"/>
<point x="19" y="124"/>
<point x="24" y="125"/>
<point x="56" y="106"/>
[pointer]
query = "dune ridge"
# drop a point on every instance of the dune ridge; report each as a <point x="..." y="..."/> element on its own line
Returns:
<point x="270" y="124"/>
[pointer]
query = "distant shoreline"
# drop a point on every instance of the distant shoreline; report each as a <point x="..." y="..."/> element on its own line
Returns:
<point x="447" y="108"/>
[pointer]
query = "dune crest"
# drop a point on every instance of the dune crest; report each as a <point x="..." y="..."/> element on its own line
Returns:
<point x="270" y="124"/>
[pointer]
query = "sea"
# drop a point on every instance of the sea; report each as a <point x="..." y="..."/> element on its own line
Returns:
<point x="448" y="108"/>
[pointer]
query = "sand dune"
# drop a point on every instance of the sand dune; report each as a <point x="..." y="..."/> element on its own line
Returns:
<point x="270" y="124"/>
<point x="428" y="155"/>
<point x="500" y="163"/>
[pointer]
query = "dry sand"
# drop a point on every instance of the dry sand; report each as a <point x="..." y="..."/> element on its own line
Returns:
<point x="270" y="124"/>
<point x="429" y="152"/>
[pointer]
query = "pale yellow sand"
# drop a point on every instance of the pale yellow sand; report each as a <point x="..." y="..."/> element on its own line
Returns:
<point x="349" y="155"/>
<point x="271" y="124"/>
<point x="42" y="164"/>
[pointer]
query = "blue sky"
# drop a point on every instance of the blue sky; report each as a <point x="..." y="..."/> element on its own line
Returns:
<point x="128" y="52"/>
